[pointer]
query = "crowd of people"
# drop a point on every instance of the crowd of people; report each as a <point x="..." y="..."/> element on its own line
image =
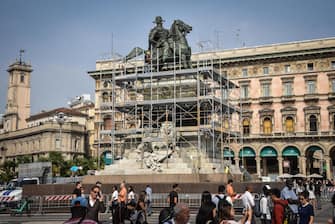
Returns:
<point x="295" y="203"/>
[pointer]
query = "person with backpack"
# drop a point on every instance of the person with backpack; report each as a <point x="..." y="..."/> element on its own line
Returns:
<point x="279" y="207"/>
<point x="288" y="194"/>
<point x="265" y="205"/>
<point x="221" y="196"/>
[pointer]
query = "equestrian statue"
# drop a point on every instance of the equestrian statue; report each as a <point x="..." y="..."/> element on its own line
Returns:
<point x="166" y="46"/>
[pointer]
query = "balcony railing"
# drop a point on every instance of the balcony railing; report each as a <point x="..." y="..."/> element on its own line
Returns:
<point x="291" y="134"/>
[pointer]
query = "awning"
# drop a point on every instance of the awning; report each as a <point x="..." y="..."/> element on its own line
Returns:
<point x="228" y="153"/>
<point x="314" y="148"/>
<point x="268" y="152"/>
<point x="247" y="152"/>
<point x="291" y="151"/>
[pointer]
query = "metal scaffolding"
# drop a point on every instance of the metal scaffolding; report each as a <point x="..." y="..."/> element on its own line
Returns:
<point x="136" y="101"/>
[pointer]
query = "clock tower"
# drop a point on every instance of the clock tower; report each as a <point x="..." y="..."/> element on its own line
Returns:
<point x="18" y="95"/>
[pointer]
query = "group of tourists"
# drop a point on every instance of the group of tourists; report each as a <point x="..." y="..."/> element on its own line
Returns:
<point x="295" y="203"/>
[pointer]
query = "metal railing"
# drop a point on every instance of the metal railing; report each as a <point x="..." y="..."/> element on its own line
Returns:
<point x="40" y="204"/>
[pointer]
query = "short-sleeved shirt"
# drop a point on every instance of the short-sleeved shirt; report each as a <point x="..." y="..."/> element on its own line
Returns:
<point x="172" y="195"/>
<point x="77" y="192"/>
<point x="305" y="213"/>
<point x="286" y="194"/>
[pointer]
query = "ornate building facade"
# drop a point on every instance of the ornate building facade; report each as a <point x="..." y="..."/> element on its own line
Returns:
<point x="35" y="136"/>
<point x="287" y="103"/>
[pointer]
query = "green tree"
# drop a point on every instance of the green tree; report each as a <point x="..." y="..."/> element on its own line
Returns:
<point x="57" y="160"/>
<point x="23" y="159"/>
<point x="7" y="170"/>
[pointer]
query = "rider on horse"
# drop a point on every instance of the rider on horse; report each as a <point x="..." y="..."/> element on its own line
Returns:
<point x="158" y="41"/>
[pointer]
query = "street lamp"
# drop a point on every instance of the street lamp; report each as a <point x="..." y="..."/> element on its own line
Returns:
<point x="60" y="117"/>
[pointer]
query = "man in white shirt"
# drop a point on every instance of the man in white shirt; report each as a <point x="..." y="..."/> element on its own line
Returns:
<point x="265" y="205"/>
<point x="216" y="198"/>
<point x="248" y="201"/>
<point x="148" y="191"/>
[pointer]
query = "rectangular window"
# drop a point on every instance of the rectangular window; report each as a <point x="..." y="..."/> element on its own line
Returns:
<point x="287" y="68"/>
<point x="22" y="78"/>
<point x="333" y="64"/>
<point x="244" y="72"/>
<point x="265" y="70"/>
<point x="244" y="92"/>
<point x="57" y="143"/>
<point x="310" y="66"/>
<point x="288" y="90"/>
<point x="333" y="86"/>
<point x="266" y="90"/>
<point x="311" y="88"/>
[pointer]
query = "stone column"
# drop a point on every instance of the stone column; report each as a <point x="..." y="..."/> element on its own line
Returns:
<point x="280" y="165"/>
<point x="258" y="165"/>
<point x="302" y="167"/>
<point x="328" y="168"/>
<point x="237" y="162"/>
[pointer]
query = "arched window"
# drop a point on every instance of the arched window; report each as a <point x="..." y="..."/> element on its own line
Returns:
<point x="289" y="125"/>
<point x="267" y="126"/>
<point x="313" y="123"/>
<point x="246" y="126"/>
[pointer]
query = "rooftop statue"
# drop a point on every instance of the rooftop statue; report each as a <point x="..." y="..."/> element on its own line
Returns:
<point x="166" y="46"/>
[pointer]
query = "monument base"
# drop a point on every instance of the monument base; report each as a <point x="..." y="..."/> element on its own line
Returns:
<point x="162" y="178"/>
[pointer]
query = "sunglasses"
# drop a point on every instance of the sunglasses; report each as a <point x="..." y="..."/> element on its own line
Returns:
<point x="95" y="192"/>
<point x="301" y="199"/>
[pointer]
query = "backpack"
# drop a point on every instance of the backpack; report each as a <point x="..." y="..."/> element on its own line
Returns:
<point x="288" y="214"/>
<point x="222" y="201"/>
<point x="257" y="208"/>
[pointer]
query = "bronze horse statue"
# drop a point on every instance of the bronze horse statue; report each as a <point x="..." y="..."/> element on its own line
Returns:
<point x="172" y="49"/>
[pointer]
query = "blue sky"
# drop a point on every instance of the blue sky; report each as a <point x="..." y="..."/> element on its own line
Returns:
<point x="64" y="38"/>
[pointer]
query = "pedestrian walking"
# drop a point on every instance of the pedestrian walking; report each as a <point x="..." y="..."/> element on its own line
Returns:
<point x="230" y="190"/>
<point x="279" y="206"/>
<point x="207" y="211"/>
<point x="248" y="201"/>
<point x="173" y="196"/>
<point x="227" y="214"/>
<point x="95" y="204"/>
<point x="77" y="190"/>
<point x="288" y="194"/>
<point x="266" y="205"/>
<point x="317" y="192"/>
<point x="221" y="196"/>
<point x="181" y="214"/>
<point x="148" y="191"/>
<point x="306" y="211"/>
<point x="122" y="199"/>
<point x="114" y="205"/>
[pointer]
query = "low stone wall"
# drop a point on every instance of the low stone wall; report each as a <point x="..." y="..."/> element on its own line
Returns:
<point x="161" y="178"/>
<point x="159" y="184"/>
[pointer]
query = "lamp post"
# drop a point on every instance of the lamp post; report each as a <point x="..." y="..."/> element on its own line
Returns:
<point x="60" y="117"/>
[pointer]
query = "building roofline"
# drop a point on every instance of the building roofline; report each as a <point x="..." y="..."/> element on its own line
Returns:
<point x="67" y="111"/>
